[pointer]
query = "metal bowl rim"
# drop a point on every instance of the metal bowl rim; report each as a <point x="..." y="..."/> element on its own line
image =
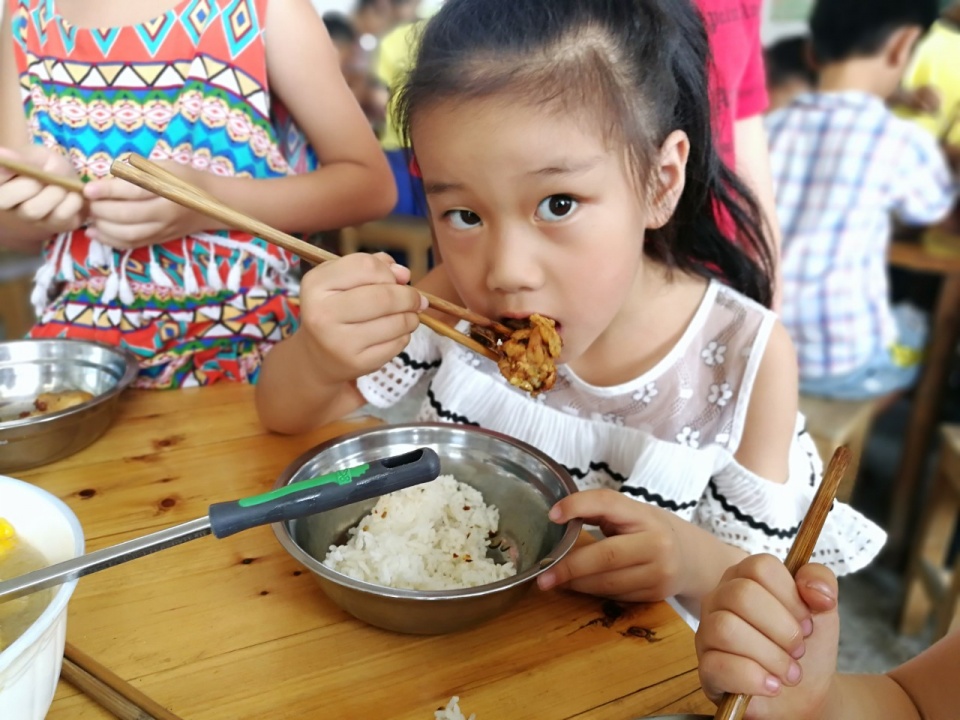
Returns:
<point x="131" y="368"/>
<point x="567" y="540"/>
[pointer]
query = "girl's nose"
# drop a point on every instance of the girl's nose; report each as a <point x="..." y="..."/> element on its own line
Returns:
<point x="513" y="265"/>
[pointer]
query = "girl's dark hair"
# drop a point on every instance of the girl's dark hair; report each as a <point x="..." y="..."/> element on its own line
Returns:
<point x="640" y="66"/>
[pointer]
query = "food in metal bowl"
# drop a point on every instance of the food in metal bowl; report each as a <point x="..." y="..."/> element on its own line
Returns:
<point x="517" y="479"/>
<point x="51" y="402"/>
<point x="57" y="396"/>
<point x="433" y="536"/>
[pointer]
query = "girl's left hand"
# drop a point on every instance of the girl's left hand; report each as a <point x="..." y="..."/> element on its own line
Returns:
<point x="125" y="216"/>
<point x="640" y="559"/>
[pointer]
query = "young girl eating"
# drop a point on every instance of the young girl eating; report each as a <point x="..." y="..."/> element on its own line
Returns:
<point x="567" y="159"/>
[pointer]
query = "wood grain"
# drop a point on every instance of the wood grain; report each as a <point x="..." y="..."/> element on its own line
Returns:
<point x="109" y="689"/>
<point x="108" y="699"/>
<point x="734" y="707"/>
<point x="235" y="629"/>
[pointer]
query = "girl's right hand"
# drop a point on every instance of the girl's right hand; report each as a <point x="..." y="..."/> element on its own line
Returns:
<point x="47" y="207"/>
<point x="357" y="314"/>
<point x="767" y="634"/>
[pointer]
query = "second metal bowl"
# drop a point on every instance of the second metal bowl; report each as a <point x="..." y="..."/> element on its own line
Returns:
<point x="31" y="367"/>
<point x="519" y="480"/>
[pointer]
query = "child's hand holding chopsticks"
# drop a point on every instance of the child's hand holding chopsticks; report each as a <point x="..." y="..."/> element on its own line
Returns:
<point x="48" y="207"/>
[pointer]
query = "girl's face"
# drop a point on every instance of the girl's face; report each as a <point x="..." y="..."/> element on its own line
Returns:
<point x="534" y="212"/>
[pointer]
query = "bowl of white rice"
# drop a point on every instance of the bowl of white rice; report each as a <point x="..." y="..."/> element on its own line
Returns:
<point x="441" y="556"/>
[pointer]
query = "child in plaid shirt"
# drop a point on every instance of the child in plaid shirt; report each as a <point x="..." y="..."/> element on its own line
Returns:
<point x="843" y="164"/>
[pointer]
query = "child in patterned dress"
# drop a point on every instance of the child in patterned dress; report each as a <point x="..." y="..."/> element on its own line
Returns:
<point x="567" y="158"/>
<point x="194" y="85"/>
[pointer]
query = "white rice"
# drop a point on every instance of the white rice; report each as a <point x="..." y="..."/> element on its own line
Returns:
<point x="452" y="711"/>
<point x="426" y="537"/>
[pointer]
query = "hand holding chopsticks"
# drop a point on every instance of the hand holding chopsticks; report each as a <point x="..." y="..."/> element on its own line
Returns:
<point x="734" y="707"/>
<point x="148" y="175"/>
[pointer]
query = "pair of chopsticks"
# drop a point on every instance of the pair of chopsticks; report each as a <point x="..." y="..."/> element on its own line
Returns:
<point x="734" y="707"/>
<point x="150" y="176"/>
<point x="109" y="690"/>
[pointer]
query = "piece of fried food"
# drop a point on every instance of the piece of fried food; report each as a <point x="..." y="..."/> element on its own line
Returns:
<point x="529" y="355"/>
<point x="51" y="402"/>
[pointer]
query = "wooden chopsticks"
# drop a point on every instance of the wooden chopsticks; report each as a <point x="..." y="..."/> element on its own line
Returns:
<point x="67" y="183"/>
<point x="146" y="174"/>
<point x="734" y="707"/>
<point x="109" y="690"/>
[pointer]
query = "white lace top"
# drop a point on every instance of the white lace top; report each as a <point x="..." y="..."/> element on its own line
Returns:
<point x="667" y="437"/>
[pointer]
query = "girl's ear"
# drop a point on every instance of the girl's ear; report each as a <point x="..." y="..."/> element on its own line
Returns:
<point x="900" y="46"/>
<point x="670" y="179"/>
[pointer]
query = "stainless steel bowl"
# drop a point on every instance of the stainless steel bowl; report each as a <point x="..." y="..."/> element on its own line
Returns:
<point x="515" y="477"/>
<point x="31" y="367"/>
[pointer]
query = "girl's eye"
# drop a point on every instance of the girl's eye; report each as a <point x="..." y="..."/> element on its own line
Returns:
<point x="463" y="219"/>
<point x="556" y="207"/>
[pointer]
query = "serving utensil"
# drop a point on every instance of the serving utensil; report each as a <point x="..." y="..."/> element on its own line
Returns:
<point x="146" y="174"/>
<point x="307" y="497"/>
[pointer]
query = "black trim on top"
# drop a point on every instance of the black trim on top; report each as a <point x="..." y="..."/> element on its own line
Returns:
<point x="744" y="518"/>
<point x="446" y="414"/>
<point x="642" y="492"/>
<point x="416" y="364"/>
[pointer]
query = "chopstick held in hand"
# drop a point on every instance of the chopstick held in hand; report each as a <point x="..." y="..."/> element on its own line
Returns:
<point x="148" y="175"/>
<point x="70" y="184"/>
<point x="734" y="707"/>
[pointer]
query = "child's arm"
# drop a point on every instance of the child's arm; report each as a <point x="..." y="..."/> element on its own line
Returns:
<point x="357" y="313"/>
<point x="772" y="413"/>
<point x="30" y="212"/>
<point x="352" y="185"/>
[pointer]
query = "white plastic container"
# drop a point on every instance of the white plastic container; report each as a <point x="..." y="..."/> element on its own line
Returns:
<point x="30" y="667"/>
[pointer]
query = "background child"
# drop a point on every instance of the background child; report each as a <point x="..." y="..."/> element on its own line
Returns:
<point x="842" y="164"/>
<point x="769" y="635"/>
<point x="936" y="67"/>
<point x="568" y="161"/>
<point x="789" y="72"/>
<point x="199" y="92"/>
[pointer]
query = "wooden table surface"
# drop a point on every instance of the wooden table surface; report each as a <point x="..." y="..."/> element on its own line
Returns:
<point x="235" y="628"/>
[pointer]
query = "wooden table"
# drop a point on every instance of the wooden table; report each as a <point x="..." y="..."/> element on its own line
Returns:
<point x="235" y="628"/>
<point x="928" y="398"/>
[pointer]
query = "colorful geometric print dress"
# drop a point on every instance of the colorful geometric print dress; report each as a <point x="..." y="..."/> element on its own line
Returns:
<point x="190" y="86"/>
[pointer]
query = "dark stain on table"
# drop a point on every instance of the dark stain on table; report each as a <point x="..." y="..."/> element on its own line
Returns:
<point x="170" y="441"/>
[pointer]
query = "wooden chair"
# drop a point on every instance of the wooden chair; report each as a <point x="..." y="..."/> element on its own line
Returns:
<point x="933" y="587"/>
<point x="410" y="235"/>
<point x="832" y="423"/>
